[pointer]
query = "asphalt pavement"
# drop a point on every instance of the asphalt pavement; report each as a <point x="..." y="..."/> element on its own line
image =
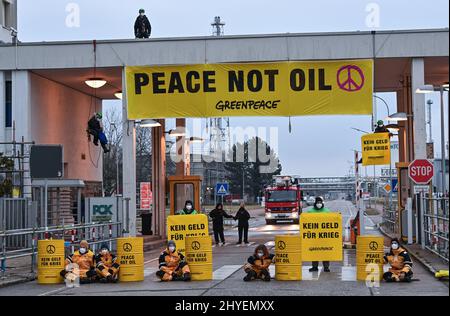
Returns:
<point x="228" y="273"/>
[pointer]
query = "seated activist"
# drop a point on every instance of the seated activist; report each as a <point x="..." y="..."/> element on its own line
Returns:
<point x="83" y="260"/>
<point x="319" y="207"/>
<point x="95" y="129"/>
<point x="172" y="265"/>
<point x="188" y="209"/>
<point x="401" y="264"/>
<point x="257" y="266"/>
<point x="106" y="266"/>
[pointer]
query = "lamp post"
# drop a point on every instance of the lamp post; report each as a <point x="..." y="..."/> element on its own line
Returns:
<point x="390" y="158"/>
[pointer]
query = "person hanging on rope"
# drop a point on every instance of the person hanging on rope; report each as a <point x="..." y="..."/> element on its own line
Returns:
<point x="95" y="129"/>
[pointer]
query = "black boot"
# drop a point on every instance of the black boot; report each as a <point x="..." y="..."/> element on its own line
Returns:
<point x="265" y="275"/>
<point x="250" y="274"/>
<point x="187" y="277"/>
<point x="160" y="274"/>
<point x="105" y="148"/>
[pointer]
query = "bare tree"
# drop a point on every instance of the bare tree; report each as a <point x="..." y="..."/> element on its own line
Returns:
<point x="112" y="162"/>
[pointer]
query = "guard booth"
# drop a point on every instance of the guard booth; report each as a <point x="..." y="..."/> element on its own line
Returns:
<point x="182" y="188"/>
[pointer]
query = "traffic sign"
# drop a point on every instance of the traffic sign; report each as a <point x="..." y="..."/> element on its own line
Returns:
<point x="421" y="189"/>
<point x="421" y="171"/>
<point x="387" y="188"/>
<point x="394" y="185"/>
<point x="222" y="188"/>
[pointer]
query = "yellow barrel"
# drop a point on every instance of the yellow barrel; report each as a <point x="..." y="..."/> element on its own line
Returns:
<point x="50" y="261"/>
<point x="369" y="258"/>
<point x="130" y="253"/>
<point x="199" y="257"/>
<point x="288" y="258"/>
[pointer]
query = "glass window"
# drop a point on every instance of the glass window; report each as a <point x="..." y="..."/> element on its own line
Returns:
<point x="183" y="192"/>
<point x="282" y="196"/>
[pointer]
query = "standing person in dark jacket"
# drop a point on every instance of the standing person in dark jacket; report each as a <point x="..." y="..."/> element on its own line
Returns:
<point x="217" y="216"/>
<point x="142" y="27"/>
<point x="242" y="216"/>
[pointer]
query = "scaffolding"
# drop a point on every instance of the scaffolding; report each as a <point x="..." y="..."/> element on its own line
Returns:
<point x="14" y="169"/>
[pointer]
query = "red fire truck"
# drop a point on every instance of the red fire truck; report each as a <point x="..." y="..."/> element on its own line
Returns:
<point x="283" y="200"/>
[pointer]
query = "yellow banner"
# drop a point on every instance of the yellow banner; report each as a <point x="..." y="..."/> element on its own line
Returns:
<point x="257" y="89"/>
<point x="376" y="149"/>
<point x="321" y="236"/>
<point x="181" y="226"/>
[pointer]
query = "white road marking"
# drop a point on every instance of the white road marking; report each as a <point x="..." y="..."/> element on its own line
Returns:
<point x="225" y="271"/>
<point x="151" y="260"/>
<point x="245" y="245"/>
<point x="52" y="292"/>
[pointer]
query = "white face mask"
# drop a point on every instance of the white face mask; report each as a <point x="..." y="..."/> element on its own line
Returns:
<point x="142" y="14"/>
<point x="189" y="207"/>
<point x="82" y="250"/>
<point x="260" y="254"/>
<point x="319" y="205"/>
<point x="104" y="252"/>
<point x="171" y="248"/>
<point x="394" y="246"/>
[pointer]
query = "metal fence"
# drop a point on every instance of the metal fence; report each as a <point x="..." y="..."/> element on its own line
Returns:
<point x="17" y="213"/>
<point x="435" y="225"/>
<point x="94" y="233"/>
<point x="390" y="217"/>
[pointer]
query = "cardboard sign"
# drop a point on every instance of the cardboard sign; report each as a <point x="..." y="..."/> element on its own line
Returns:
<point x="181" y="226"/>
<point x="376" y="149"/>
<point x="321" y="235"/>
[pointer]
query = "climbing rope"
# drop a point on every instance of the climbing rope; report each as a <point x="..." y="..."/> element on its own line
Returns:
<point x="95" y="164"/>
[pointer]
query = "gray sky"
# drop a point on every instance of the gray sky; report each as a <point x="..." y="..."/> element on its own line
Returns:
<point x="317" y="146"/>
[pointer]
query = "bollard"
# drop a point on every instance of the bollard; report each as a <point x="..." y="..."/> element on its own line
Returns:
<point x="288" y="259"/>
<point x="50" y="261"/>
<point x="199" y="257"/>
<point x="369" y="257"/>
<point x="130" y="253"/>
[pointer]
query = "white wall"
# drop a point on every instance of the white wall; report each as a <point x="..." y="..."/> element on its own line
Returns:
<point x="59" y="115"/>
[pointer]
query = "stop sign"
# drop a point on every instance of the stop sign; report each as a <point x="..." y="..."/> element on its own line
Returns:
<point x="421" y="171"/>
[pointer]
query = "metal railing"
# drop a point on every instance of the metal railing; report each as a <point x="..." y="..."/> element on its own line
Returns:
<point x="435" y="225"/>
<point x="390" y="217"/>
<point x="94" y="233"/>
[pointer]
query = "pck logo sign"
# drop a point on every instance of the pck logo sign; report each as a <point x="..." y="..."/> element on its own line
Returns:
<point x="102" y="210"/>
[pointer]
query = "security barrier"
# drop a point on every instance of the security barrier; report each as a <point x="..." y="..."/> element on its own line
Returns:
<point x="369" y="258"/>
<point x="50" y="261"/>
<point x="288" y="259"/>
<point x="199" y="257"/>
<point x="130" y="253"/>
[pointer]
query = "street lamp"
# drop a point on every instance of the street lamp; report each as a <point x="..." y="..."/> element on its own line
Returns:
<point x="428" y="88"/>
<point x="148" y="123"/>
<point x="399" y="116"/>
<point x="177" y="132"/>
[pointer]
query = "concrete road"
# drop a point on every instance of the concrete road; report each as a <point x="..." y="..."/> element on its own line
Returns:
<point x="228" y="273"/>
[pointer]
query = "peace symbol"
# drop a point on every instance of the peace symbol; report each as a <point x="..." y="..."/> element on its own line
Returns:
<point x="281" y="245"/>
<point x="51" y="249"/>
<point x="195" y="245"/>
<point x="373" y="245"/>
<point x="350" y="78"/>
<point x="127" y="247"/>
